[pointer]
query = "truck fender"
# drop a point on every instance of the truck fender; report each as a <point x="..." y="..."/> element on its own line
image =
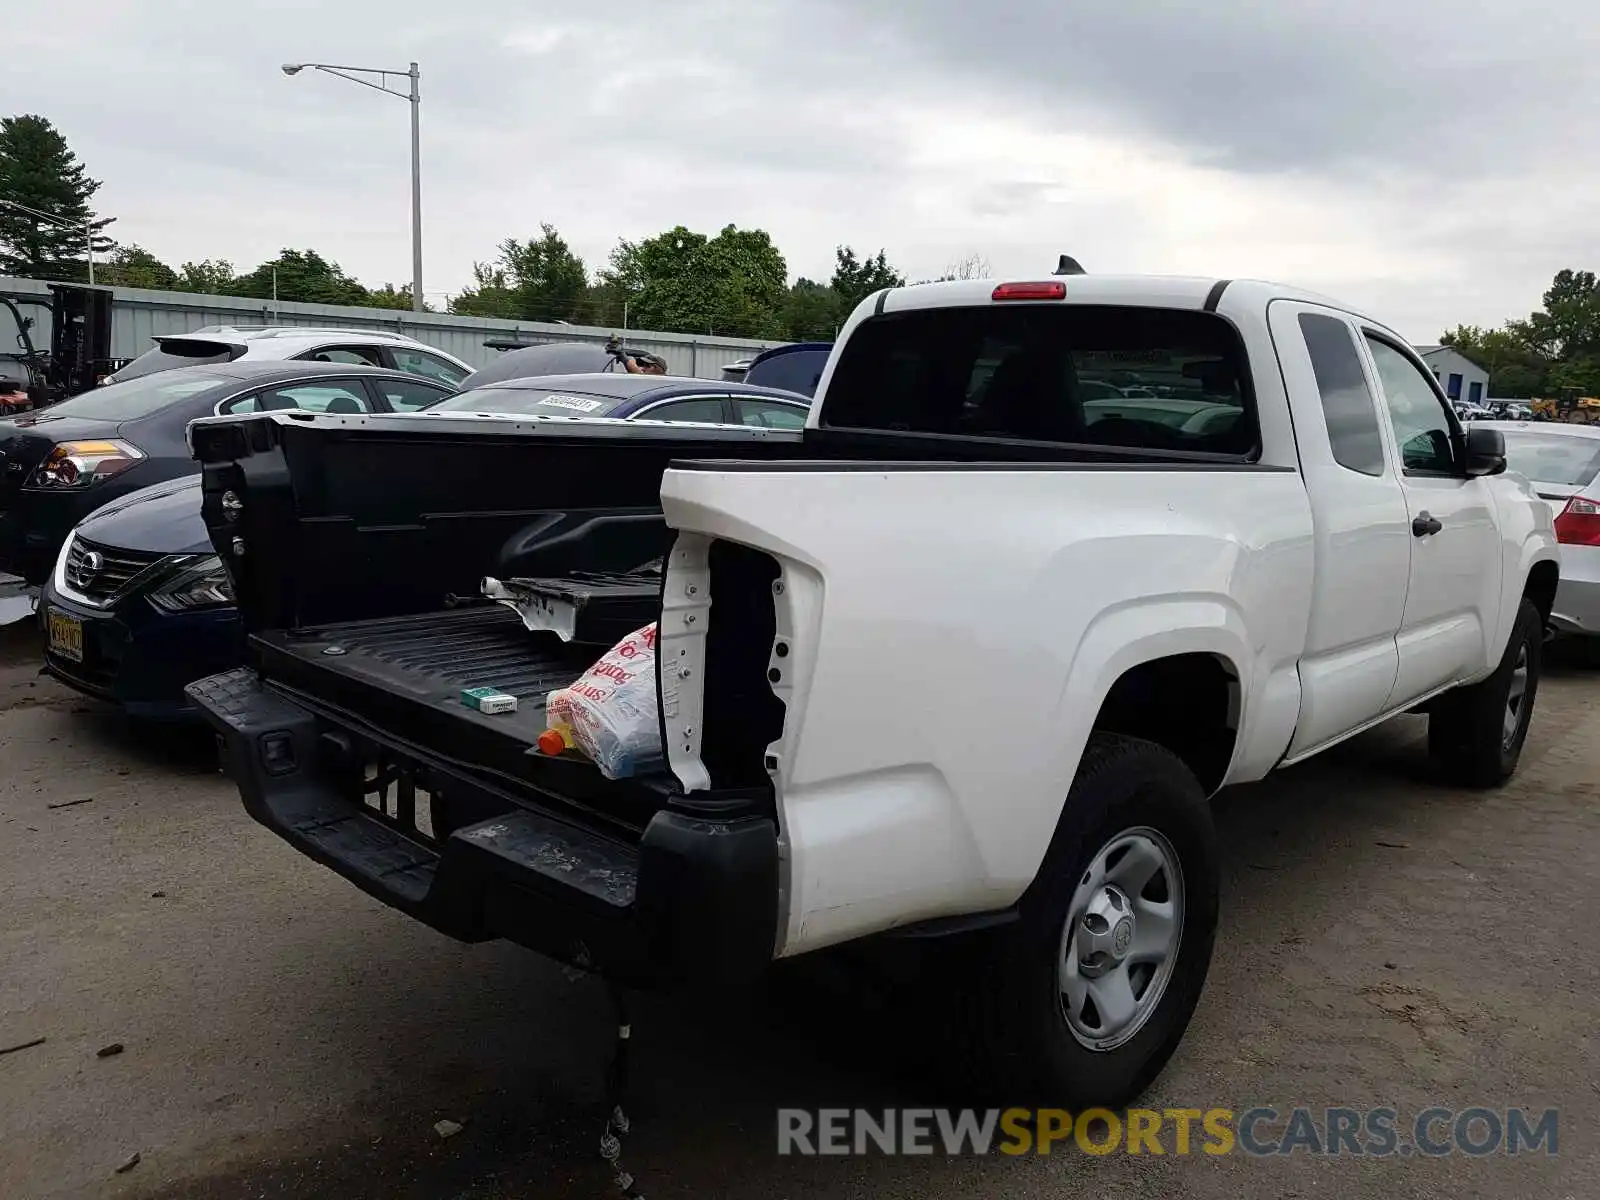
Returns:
<point x="1127" y="636"/>
<point x="1527" y="539"/>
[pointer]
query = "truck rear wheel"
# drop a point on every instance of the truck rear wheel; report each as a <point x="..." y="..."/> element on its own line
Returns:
<point x="1101" y="975"/>
<point x="1475" y="734"/>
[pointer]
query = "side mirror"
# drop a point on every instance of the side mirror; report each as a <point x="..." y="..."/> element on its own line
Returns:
<point x="1486" y="451"/>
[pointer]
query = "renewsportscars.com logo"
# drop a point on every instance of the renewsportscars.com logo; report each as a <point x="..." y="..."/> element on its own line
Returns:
<point x="1259" y="1132"/>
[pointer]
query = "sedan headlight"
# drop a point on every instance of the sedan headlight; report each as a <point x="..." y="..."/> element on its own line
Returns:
<point x="202" y="584"/>
<point x="80" y="464"/>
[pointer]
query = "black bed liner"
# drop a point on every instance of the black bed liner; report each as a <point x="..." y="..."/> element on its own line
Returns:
<point x="397" y="681"/>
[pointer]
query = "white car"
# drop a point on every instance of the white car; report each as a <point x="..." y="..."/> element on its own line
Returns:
<point x="965" y="657"/>
<point x="228" y="343"/>
<point x="1562" y="462"/>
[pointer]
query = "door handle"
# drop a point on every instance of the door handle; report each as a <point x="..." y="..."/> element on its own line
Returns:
<point x="1425" y="525"/>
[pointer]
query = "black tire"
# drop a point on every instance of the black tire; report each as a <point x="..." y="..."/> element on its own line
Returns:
<point x="1122" y="784"/>
<point x="1467" y="734"/>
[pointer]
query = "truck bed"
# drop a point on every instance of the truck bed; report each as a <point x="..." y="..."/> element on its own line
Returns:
<point x="396" y="683"/>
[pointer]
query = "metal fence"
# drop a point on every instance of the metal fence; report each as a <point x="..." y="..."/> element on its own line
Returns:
<point x="138" y="314"/>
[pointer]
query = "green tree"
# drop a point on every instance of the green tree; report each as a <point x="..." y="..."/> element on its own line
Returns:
<point x="681" y="281"/>
<point x="856" y="278"/>
<point x="1516" y="369"/>
<point x="389" y="296"/>
<point x="39" y="171"/>
<point x="656" y="281"/>
<point x="489" y="296"/>
<point x="134" y="266"/>
<point x="209" y="276"/>
<point x="1568" y="326"/>
<point x="540" y="279"/>
<point x="1580" y="373"/>
<point x="1555" y="348"/>
<point x="304" y="276"/>
<point x="811" y="312"/>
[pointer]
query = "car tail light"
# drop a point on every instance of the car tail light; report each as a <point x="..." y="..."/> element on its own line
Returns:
<point x="1579" y="523"/>
<point x="79" y="464"/>
<point x="1052" y="289"/>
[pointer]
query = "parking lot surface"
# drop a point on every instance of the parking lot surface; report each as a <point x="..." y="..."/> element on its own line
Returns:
<point x="1385" y="942"/>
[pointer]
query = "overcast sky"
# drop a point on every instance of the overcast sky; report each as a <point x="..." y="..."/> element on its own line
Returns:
<point x="1429" y="162"/>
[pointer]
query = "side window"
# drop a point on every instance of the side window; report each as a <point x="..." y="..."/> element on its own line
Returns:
<point x="771" y="414"/>
<point x="686" y="410"/>
<point x="429" y="366"/>
<point x="243" y="404"/>
<point x="314" y="397"/>
<point x="360" y="355"/>
<point x="1347" y="403"/>
<point x="406" y="395"/>
<point x="1422" y="427"/>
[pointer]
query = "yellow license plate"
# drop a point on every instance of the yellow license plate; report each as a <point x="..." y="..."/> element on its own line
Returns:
<point x="65" y="634"/>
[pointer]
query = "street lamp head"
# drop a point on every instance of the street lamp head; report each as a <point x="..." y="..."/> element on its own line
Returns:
<point x="293" y="68"/>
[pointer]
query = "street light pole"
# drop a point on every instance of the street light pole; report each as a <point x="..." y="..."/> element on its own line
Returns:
<point x="416" y="189"/>
<point x="414" y="96"/>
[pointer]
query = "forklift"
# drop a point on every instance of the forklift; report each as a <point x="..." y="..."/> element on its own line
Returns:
<point x="79" y="357"/>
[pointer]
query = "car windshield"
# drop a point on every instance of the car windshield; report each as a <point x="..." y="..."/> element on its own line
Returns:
<point x="137" y="397"/>
<point x="1570" y="460"/>
<point x="529" y="401"/>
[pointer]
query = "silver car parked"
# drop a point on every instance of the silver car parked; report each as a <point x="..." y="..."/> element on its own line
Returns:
<point x="1563" y="464"/>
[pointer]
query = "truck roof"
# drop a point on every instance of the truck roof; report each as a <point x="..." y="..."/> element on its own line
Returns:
<point x="1158" y="291"/>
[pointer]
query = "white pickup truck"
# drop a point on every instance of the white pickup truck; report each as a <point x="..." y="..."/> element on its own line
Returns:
<point x="1052" y="562"/>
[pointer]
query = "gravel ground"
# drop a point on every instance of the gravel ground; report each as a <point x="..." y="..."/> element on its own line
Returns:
<point x="1385" y="941"/>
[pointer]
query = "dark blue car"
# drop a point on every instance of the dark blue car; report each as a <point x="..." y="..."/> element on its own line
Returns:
<point x="138" y="603"/>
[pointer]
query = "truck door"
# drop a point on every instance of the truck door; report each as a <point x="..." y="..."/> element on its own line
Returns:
<point x="1453" y="594"/>
<point x="1360" y="522"/>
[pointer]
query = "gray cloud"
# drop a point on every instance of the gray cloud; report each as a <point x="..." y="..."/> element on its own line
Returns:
<point x="1262" y="86"/>
<point x="1431" y="162"/>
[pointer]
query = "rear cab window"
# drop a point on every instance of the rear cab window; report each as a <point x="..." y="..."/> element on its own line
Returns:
<point x="1128" y="377"/>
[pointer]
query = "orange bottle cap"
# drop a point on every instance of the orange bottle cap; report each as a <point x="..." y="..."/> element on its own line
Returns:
<point x="551" y="742"/>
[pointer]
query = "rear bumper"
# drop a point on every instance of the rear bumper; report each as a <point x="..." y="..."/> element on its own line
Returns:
<point x="1577" y="606"/>
<point x="691" y="898"/>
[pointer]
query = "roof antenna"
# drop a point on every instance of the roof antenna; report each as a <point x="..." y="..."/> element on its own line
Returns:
<point x="1069" y="266"/>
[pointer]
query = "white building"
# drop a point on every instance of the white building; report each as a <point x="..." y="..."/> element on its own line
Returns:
<point x="1461" y="378"/>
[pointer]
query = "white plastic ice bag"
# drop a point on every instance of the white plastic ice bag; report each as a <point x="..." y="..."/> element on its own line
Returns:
<point x="611" y="708"/>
